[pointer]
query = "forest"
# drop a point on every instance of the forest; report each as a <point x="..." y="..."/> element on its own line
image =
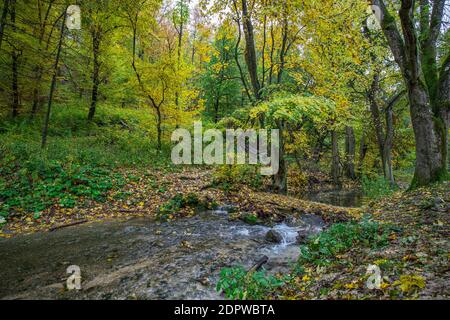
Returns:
<point x="91" y="93"/>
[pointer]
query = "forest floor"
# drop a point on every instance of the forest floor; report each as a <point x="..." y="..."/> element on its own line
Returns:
<point x="155" y="192"/>
<point x="414" y="264"/>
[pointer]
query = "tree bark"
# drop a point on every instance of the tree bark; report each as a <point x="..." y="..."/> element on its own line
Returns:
<point x="280" y="179"/>
<point x="53" y="85"/>
<point x="416" y="61"/>
<point x="335" y="163"/>
<point x="96" y="72"/>
<point x="15" y="65"/>
<point x="363" y="148"/>
<point x="3" y="20"/>
<point x="250" y="51"/>
<point x="350" y="152"/>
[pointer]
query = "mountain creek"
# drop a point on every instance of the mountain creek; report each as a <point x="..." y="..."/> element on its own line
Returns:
<point x="144" y="259"/>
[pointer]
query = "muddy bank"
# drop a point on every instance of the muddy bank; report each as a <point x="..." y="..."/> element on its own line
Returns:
<point x="138" y="259"/>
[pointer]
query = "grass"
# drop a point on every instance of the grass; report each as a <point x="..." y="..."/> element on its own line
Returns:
<point x="322" y="249"/>
<point x="378" y="187"/>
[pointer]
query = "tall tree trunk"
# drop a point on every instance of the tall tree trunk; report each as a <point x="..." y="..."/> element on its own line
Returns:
<point x="429" y="155"/>
<point x="280" y="179"/>
<point x="376" y="118"/>
<point x="363" y="148"/>
<point x="236" y="52"/>
<point x="335" y="163"/>
<point x="443" y="101"/>
<point x="96" y="73"/>
<point x="284" y="43"/>
<point x="54" y="78"/>
<point x="250" y="51"/>
<point x="38" y="70"/>
<point x="3" y="20"/>
<point x="15" y="66"/>
<point x="350" y="152"/>
<point x="158" y="128"/>
<point x="216" y="108"/>
<point x="415" y="53"/>
<point x="389" y="139"/>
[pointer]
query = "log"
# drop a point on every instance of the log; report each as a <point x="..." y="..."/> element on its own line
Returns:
<point x="67" y="225"/>
<point x="259" y="264"/>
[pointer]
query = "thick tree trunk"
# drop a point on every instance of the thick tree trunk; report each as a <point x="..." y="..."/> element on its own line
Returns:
<point x="415" y="53"/>
<point x="236" y="54"/>
<point x="350" y="152"/>
<point x="250" y="51"/>
<point x="335" y="163"/>
<point x="376" y="118"/>
<point x="429" y="156"/>
<point x="443" y="110"/>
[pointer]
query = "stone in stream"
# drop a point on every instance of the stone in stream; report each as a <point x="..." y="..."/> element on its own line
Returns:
<point x="303" y="236"/>
<point x="305" y="220"/>
<point x="274" y="236"/>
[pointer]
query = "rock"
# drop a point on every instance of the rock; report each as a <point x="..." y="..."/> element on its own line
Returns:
<point x="303" y="236"/>
<point x="313" y="220"/>
<point x="305" y="220"/>
<point x="292" y="221"/>
<point x="274" y="236"/>
<point x="228" y="208"/>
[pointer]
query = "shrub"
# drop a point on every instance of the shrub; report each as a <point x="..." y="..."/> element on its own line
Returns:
<point x="178" y="202"/>
<point x="377" y="188"/>
<point x="232" y="177"/>
<point x="320" y="250"/>
<point x="237" y="283"/>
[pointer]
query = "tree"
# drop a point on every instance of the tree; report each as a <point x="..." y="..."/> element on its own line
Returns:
<point x="221" y="77"/>
<point x="289" y="114"/>
<point x="53" y="84"/>
<point x="426" y="77"/>
<point x="101" y="23"/>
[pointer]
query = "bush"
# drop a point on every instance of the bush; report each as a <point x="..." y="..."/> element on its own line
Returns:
<point x="34" y="188"/>
<point x="232" y="177"/>
<point x="178" y="202"/>
<point x="377" y="188"/>
<point x="341" y="237"/>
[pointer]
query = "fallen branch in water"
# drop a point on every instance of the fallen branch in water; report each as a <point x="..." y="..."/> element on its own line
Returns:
<point x="259" y="264"/>
<point x="67" y="225"/>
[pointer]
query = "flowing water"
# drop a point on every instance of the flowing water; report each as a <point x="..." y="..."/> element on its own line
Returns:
<point x="142" y="259"/>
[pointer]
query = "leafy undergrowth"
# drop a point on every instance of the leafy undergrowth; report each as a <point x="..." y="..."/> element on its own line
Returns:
<point x="238" y="284"/>
<point x="408" y="240"/>
<point x="26" y="190"/>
